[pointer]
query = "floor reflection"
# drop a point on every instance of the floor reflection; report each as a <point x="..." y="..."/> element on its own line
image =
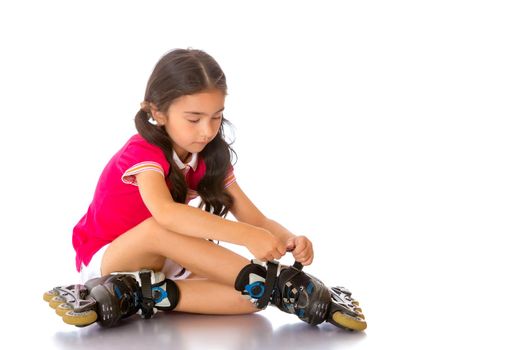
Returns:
<point x="300" y="335"/>
<point x="189" y="331"/>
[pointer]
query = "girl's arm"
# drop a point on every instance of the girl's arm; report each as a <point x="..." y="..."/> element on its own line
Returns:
<point x="190" y="221"/>
<point x="245" y="211"/>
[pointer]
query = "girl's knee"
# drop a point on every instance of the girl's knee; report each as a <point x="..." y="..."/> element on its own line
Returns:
<point x="134" y="249"/>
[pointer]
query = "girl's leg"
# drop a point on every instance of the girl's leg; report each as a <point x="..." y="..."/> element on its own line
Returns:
<point x="208" y="297"/>
<point x="148" y="244"/>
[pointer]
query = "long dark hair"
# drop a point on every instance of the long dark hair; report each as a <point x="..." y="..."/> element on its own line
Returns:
<point x="184" y="72"/>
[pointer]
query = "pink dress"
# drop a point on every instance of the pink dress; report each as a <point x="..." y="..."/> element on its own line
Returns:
<point x="117" y="205"/>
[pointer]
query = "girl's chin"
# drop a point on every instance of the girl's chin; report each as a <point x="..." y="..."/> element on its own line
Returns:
<point x="196" y="147"/>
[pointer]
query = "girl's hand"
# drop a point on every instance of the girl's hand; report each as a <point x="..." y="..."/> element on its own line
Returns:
<point x="264" y="245"/>
<point x="302" y="249"/>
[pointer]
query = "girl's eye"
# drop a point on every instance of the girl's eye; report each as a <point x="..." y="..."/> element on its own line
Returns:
<point x="193" y="121"/>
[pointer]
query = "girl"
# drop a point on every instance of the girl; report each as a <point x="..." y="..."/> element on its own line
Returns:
<point x="139" y="217"/>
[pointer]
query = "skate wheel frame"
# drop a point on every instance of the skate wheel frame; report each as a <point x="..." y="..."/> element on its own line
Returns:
<point x="345" y="311"/>
<point x="70" y="304"/>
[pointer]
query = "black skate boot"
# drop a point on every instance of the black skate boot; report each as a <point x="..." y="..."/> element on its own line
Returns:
<point x="296" y="292"/>
<point x="113" y="297"/>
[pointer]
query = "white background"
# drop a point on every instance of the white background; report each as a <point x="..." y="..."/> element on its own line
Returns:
<point x="391" y="133"/>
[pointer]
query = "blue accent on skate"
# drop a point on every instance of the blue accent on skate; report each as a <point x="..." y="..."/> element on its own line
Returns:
<point x="256" y="289"/>
<point x="310" y="288"/>
<point x="300" y="313"/>
<point x="288" y="293"/>
<point x="289" y="308"/>
<point x="163" y="294"/>
<point x="118" y="292"/>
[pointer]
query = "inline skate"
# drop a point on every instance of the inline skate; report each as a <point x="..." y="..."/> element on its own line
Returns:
<point x="296" y="292"/>
<point x="108" y="299"/>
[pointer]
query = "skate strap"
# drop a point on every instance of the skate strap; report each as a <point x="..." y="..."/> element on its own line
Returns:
<point x="269" y="284"/>
<point x="147" y="303"/>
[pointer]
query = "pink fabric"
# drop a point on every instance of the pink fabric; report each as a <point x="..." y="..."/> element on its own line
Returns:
<point x="117" y="205"/>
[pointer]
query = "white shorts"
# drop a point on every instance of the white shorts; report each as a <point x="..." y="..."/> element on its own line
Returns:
<point x="171" y="269"/>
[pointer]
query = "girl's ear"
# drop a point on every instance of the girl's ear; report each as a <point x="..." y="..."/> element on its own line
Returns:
<point x="158" y="116"/>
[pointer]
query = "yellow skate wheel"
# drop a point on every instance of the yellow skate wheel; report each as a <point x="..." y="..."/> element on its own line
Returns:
<point x="62" y="309"/>
<point x="55" y="301"/>
<point x="359" y="313"/>
<point x="349" y="322"/>
<point x="49" y="295"/>
<point x="80" y="319"/>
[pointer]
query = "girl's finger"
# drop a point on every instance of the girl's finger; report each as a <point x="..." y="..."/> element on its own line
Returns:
<point x="300" y="252"/>
<point x="300" y="257"/>
<point x="300" y="244"/>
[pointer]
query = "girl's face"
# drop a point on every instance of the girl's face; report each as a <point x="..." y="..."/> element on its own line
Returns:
<point x="192" y="121"/>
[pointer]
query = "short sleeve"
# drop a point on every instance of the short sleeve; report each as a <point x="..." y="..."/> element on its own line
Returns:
<point x="230" y="177"/>
<point x="139" y="156"/>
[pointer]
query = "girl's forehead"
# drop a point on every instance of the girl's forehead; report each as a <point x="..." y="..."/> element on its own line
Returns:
<point x="205" y="99"/>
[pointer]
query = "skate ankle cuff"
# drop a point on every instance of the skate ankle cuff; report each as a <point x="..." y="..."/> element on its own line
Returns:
<point x="163" y="294"/>
<point x="257" y="281"/>
<point x="166" y="295"/>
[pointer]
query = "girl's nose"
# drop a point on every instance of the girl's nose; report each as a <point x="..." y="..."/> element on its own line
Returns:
<point x="207" y="131"/>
